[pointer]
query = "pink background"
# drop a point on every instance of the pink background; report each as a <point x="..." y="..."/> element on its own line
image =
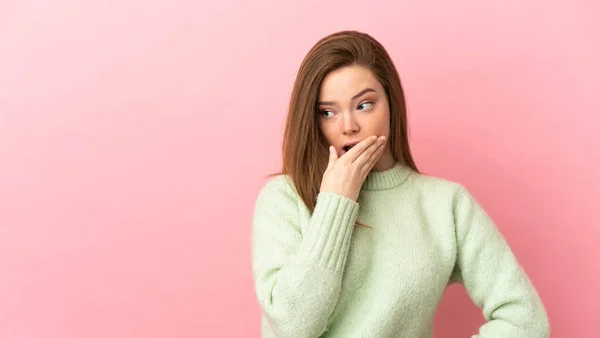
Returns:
<point x="135" y="135"/>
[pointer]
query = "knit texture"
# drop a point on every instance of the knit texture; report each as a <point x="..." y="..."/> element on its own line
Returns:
<point x="320" y="276"/>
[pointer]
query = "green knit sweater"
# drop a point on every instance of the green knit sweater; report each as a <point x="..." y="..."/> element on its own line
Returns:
<point x="320" y="276"/>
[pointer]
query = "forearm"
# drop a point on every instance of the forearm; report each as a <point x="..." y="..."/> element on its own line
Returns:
<point x="493" y="277"/>
<point x="299" y="295"/>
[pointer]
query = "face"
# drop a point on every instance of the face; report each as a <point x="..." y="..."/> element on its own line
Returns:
<point x="352" y="106"/>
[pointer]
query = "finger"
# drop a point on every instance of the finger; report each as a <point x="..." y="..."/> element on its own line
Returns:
<point x="332" y="155"/>
<point x="359" y="148"/>
<point x="365" y="156"/>
<point x="374" y="158"/>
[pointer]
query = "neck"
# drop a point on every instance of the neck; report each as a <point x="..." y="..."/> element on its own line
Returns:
<point x="386" y="162"/>
<point x="387" y="178"/>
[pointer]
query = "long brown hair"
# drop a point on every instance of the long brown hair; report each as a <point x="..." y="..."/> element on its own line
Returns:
<point x="304" y="149"/>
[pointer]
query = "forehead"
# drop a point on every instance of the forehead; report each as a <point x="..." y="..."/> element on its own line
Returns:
<point x="344" y="83"/>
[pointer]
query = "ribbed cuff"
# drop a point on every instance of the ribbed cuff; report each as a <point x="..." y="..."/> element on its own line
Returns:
<point x="327" y="237"/>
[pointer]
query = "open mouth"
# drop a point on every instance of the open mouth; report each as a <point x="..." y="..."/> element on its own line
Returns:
<point x="348" y="147"/>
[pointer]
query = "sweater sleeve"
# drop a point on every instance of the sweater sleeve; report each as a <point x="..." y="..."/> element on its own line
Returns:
<point x="297" y="273"/>
<point x="493" y="277"/>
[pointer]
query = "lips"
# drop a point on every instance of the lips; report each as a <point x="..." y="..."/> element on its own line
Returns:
<point x="349" y="146"/>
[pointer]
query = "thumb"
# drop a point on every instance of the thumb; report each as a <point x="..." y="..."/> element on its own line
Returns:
<point x="333" y="155"/>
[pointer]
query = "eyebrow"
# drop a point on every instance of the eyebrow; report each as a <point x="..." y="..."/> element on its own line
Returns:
<point x="331" y="103"/>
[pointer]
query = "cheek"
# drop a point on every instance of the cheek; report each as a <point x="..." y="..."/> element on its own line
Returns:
<point x="326" y="132"/>
<point x="381" y="123"/>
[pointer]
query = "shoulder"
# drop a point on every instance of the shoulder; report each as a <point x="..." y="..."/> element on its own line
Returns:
<point x="451" y="194"/>
<point x="277" y="184"/>
<point x="279" y="188"/>
<point x="437" y="186"/>
<point x="276" y="206"/>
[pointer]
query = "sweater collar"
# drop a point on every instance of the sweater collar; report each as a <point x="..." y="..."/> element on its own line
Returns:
<point x="380" y="180"/>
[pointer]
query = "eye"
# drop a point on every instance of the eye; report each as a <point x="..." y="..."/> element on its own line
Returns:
<point x="323" y="112"/>
<point x="369" y="105"/>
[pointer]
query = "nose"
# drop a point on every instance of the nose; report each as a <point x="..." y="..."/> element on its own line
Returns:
<point x="349" y="124"/>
